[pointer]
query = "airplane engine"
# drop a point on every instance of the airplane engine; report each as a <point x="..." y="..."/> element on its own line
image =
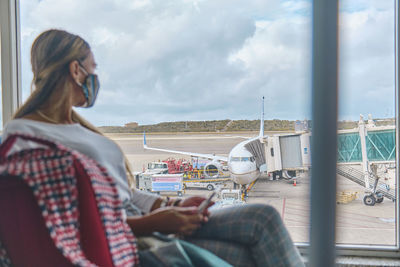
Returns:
<point x="212" y="169"/>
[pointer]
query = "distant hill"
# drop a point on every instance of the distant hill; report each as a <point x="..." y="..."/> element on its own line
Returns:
<point x="222" y="126"/>
<point x="202" y="126"/>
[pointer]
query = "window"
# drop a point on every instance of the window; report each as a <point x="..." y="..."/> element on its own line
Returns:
<point x="185" y="67"/>
<point x="163" y="62"/>
<point x="366" y="142"/>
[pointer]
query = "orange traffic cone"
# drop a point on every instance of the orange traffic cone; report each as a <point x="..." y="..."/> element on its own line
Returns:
<point x="294" y="182"/>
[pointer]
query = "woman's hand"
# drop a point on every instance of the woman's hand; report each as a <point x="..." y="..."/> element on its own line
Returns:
<point x="169" y="220"/>
<point x="195" y="202"/>
<point x="178" y="220"/>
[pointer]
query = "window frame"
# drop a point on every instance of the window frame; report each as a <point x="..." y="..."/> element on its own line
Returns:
<point x="325" y="19"/>
<point x="10" y="58"/>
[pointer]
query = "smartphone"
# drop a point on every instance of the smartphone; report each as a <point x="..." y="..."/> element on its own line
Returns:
<point x="206" y="202"/>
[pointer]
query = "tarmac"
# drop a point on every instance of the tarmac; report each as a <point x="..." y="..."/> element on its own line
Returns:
<point x="356" y="223"/>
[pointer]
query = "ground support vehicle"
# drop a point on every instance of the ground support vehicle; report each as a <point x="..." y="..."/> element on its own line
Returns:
<point x="229" y="197"/>
<point x="160" y="183"/>
<point x="178" y="166"/>
<point x="157" y="168"/>
<point x="143" y="181"/>
<point x="169" y="166"/>
<point x="209" y="184"/>
<point x="201" y="174"/>
<point x="167" y="183"/>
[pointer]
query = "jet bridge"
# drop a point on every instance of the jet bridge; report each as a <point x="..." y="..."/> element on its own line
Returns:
<point x="256" y="148"/>
<point x="288" y="153"/>
<point x="380" y="145"/>
<point x="368" y="145"/>
<point x="285" y="152"/>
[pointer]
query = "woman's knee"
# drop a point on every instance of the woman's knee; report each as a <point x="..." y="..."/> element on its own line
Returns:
<point x="264" y="213"/>
<point x="258" y="213"/>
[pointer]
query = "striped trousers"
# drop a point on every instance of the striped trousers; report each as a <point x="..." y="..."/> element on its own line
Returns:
<point x="248" y="235"/>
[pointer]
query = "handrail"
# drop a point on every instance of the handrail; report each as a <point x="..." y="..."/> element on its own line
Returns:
<point x="358" y="177"/>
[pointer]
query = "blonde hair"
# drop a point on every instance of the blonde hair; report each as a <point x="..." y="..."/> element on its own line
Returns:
<point x="51" y="53"/>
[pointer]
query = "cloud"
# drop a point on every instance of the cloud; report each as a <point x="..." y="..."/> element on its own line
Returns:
<point x="367" y="62"/>
<point x="205" y="59"/>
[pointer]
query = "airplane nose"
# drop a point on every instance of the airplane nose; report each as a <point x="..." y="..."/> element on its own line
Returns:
<point x="240" y="168"/>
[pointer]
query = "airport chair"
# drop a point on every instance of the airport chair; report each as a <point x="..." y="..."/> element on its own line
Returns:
<point x="26" y="238"/>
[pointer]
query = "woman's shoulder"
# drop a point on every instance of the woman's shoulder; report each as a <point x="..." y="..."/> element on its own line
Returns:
<point x="17" y="124"/>
<point x="23" y="123"/>
<point x="33" y="127"/>
<point x="20" y="126"/>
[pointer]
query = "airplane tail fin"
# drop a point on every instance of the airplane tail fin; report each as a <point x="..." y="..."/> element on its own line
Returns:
<point x="144" y="140"/>
<point x="261" y="134"/>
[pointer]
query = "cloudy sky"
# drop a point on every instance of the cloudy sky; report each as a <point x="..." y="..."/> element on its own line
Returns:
<point x="214" y="59"/>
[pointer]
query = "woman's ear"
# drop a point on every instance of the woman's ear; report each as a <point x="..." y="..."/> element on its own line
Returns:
<point x="74" y="70"/>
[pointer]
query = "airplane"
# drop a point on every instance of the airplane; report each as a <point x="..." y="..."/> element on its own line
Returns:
<point x="242" y="164"/>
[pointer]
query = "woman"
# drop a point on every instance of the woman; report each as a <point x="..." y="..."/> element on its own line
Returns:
<point x="63" y="67"/>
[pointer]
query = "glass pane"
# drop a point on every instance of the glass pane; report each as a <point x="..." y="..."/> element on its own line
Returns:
<point x="192" y="75"/>
<point x="366" y="142"/>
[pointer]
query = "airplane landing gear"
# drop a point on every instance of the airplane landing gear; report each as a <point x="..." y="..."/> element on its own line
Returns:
<point x="243" y="192"/>
<point x="371" y="199"/>
<point x="379" y="200"/>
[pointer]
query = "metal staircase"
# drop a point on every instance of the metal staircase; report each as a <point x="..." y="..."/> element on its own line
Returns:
<point x="378" y="189"/>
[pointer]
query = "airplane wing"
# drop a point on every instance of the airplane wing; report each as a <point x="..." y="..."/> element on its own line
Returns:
<point x="207" y="156"/>
<point x="238" y="136"/>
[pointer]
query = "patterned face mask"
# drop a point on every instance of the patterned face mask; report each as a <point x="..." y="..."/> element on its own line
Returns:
<point x="90" y="88"/>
